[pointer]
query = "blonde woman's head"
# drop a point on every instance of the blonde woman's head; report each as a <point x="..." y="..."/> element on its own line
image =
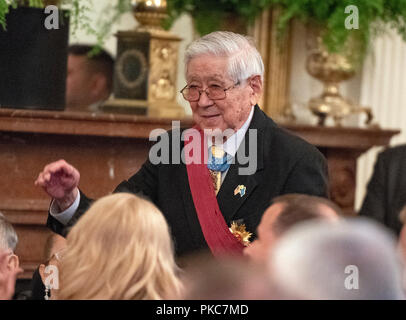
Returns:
<point x="120" y="249"/>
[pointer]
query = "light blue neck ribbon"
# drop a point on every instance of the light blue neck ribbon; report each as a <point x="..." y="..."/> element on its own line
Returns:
<point x="218" y="164"/>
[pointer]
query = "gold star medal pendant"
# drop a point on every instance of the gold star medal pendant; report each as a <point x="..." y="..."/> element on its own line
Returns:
<point x="240" y="232"/>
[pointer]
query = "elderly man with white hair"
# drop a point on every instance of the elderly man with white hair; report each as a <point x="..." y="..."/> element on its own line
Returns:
<point x="219" y="175"/>
<point x="9" y="262"/>
<point x="350" y="259"/>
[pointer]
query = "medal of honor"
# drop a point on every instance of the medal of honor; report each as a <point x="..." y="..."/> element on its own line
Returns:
<point x="239" y="231"/>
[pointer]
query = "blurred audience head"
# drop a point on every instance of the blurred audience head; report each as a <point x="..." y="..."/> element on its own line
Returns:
<point x="209" y="278"/>
<point x="8" y="242"/>
<point x="120" y="249"/>
<point x="89" y="78"/>
<point x="285" y="212"/>
<point x="353" y="259"/>
<point x="9" y="262"/>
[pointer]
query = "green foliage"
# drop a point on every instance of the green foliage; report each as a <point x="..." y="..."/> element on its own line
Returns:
<point x="78" y="12"/>
<point x="35" y="3"/>
<point x="209" y="14"/>
<point x="4" y="9"/>
<point x="6" y="4"/>
<point x="375" y="17"/>
<point x="111" y="15"/>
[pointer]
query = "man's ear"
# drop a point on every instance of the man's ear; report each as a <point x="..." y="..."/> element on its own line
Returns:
<point x="256" y="86"/>
<point x="99" y="86"/>
<point x="13" y="262"/>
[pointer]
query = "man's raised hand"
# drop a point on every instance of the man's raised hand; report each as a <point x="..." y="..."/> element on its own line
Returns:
<point x="60" y="181"/>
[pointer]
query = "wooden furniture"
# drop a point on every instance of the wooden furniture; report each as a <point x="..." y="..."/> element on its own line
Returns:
<point x="342" y="147"/>
<point x="108" y="148"/>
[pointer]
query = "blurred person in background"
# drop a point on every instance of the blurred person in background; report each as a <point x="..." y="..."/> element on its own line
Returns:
<point x="285" y="212"/>
<point x="8" y="276"/>
<point x="89" y="79"/>
<point x="386" y="191"/>
<point x="120" y="249"/>
<point x="9" y="262"/>
<point x="352" y="259"/>
<point x="231" y="278"/>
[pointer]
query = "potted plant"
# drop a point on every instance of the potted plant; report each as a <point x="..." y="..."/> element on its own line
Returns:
<point x="77" y="9"/>
<point x="33" y="57"/>
<point x="337" y="46"/>
<point x="374" y="17"/>
<point x="212" y="15"/>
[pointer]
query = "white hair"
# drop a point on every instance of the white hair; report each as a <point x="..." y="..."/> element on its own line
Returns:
<point x="8" y="236"/>
<point x="244" y="60"/>
<point x="319" y="260"/>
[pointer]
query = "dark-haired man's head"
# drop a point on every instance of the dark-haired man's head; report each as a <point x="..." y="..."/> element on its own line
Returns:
<point x="285" y="212"/>
<point x="89" y="77"/>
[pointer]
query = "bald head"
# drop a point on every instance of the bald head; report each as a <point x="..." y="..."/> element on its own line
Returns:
<point x="296" y="208"/>
<point x="351" y="259"/>
<point x="285" y="212"/>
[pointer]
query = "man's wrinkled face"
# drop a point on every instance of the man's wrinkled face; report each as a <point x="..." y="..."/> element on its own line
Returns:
<point x="78" y="82"/>
<point x="259" y="250"/>
<point x="229" y="113"/>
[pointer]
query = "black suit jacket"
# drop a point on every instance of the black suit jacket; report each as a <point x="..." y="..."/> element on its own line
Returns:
<point x="285" y="164"/>
<point x="386" y="193"/>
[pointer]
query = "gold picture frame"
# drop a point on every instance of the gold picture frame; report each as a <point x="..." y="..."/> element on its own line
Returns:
<point x="276" y="56"/>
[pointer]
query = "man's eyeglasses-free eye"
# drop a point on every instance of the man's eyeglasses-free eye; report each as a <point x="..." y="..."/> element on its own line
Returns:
<point x="192" y="93"/>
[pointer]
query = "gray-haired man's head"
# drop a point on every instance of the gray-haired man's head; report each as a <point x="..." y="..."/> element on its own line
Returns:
<point x="8" y="236"/>
<point x="351" y="259"/>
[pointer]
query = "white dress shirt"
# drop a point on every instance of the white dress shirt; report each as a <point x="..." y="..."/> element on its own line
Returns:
<point x="233" y="142"/>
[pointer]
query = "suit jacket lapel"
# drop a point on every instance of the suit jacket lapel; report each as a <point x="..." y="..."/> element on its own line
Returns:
<point x="228" y="202"/>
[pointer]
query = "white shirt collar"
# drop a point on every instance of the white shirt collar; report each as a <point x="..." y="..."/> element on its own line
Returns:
<point x="233" y="142"/>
